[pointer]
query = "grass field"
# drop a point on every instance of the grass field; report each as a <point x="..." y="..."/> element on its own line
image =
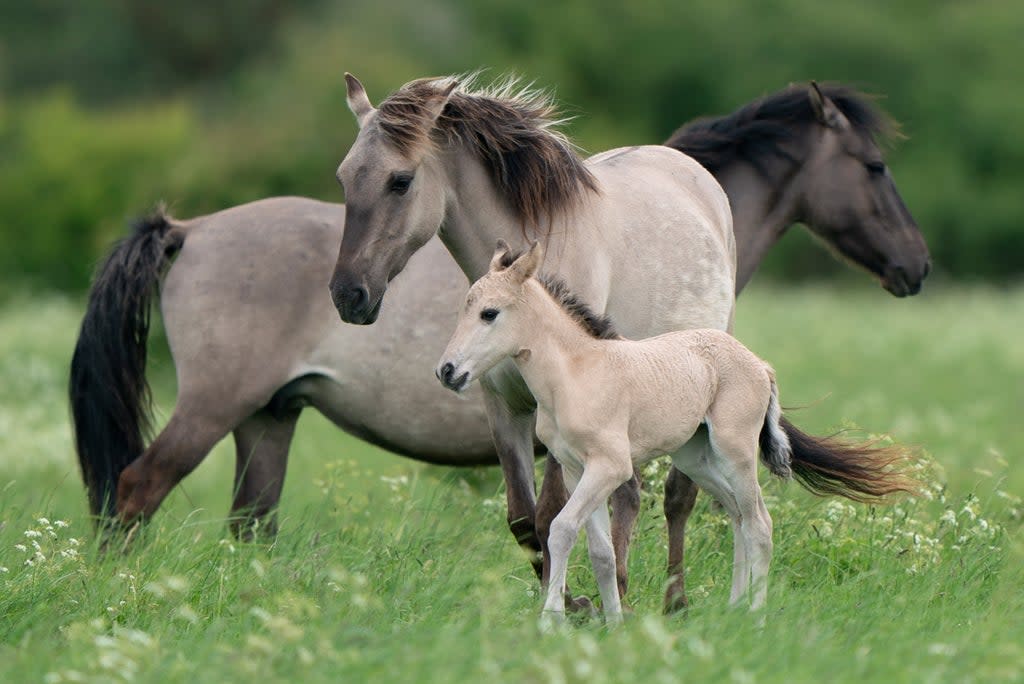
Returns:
<point x="386" y="570"/>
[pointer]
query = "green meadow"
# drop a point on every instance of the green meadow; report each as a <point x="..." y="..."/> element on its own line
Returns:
<point x="388" y="570"/>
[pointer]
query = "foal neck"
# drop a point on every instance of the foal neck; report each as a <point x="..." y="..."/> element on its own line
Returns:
<point x="553" y="344"/>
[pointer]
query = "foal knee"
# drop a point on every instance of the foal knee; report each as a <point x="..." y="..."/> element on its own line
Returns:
<point x="562" y="537"/>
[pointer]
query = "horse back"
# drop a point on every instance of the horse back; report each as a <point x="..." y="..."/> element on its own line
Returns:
<point x="660" y="233"/>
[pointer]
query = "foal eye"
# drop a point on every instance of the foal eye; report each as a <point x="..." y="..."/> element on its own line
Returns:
<point x="875" y="168"/>
<point x="400" y="183"/>
<point x="488" y="315"/>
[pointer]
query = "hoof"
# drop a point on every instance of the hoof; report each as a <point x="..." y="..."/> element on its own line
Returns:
<point x="676" y="603"/>
<point x="580" y="605"/>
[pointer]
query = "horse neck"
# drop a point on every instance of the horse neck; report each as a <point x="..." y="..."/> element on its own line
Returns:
<point x="555" y="342"/>
<point x="476" y="215"/>
<point x="765" y="201"/>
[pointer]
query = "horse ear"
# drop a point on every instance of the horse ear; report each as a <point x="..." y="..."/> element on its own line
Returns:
<point x="825" y="109"/>
<point x="499" y="255"/>
<point x="526" y="266"/>
<point x="358" y="102"/>
<point x="437" y="103"/>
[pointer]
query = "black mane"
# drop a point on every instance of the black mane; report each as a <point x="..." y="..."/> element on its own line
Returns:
<point x="596" y="325"/>
<point x="758" y="129"/>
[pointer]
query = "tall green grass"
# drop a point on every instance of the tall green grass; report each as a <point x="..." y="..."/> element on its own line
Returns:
<point x="386" y="570"/>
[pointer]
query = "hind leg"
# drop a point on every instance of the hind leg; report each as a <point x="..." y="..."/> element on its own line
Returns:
<point x="730" y="475"/>
<point x="177" y="450"/>
<point x="261" y="459"/>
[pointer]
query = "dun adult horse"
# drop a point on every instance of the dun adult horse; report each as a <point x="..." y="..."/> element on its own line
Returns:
<point x="254" y="336"/>
<point x="607" y="404"/>
<point x="644" y="233"/>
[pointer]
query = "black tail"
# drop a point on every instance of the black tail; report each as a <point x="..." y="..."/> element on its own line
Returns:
<point x="108" y="391"/>
<point x="861" y="472"/>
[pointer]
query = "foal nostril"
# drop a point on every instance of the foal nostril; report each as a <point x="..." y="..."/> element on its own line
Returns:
<point x="927" y="269"/>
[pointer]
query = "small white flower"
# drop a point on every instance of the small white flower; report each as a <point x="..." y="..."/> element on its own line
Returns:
<point x="60" y="523"/>
<point x="33" y="534"/>
<point x="43" y="521"/>
<point x="21" y="547"/>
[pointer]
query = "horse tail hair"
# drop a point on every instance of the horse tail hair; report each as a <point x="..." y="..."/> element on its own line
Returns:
<point x="776" y="451"/>
<point x="109" y="395"/>
<point x="863" y="472"/>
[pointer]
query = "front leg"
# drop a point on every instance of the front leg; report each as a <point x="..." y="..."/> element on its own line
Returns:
<point x="513" y="439"/>
<point x="601" y="475"/>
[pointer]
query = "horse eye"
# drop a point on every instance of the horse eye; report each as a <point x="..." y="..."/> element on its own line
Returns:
<point x="400" y="184"/>
<point x="488" y="315"/>
<point x="875" y="168"/>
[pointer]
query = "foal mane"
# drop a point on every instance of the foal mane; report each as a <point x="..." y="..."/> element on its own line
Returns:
<point x="759" y="128"/>
<point x="595" y="324"/>
<point x="512" y="130"/>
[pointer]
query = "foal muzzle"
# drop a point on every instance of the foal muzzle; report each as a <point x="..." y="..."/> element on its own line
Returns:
<point x="448" y="376"/>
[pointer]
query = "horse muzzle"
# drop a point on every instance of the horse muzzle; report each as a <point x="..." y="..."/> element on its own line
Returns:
<point x="449" y="376"/>
<point x="903" y="282"/>
<point x="355" y="304"/>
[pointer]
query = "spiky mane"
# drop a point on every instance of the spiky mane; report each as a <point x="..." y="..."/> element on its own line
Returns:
<point x="510" y="127"/>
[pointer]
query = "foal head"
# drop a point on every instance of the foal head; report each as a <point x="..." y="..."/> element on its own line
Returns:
<point x="493" y="324"/>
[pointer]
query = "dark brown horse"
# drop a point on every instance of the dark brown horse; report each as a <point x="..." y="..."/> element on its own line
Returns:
<point x="254" y="335"/>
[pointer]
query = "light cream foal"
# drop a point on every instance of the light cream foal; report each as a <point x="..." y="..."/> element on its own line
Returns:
<point x="607" y="404"/>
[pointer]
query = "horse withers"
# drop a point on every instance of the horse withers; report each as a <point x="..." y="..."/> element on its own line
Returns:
<point x="607" y="404"/>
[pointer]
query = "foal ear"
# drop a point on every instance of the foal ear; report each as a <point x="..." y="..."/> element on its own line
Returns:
<point x="358" y="102"/>
<point x="436" y="104"/>
<point x="500" y="253"/>
<point x="526" y="266"/>
<point x="825" y="109"/>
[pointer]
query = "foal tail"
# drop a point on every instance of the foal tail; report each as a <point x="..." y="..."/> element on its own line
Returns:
<point x="828" y="465"/>
<point x="109" y="395"/>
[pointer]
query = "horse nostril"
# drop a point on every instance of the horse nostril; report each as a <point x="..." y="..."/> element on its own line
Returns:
<point x="927" y="269"/>
<point x="358" y="296"/>
<point x="446" y="373"/>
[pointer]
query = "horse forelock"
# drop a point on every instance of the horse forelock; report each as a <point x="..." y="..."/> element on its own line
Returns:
<point x="758" y="130"/>
<point x="511" y="127"/>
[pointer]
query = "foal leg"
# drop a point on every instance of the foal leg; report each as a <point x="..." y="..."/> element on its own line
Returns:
<point x="738" y="465"/>
<point x="710" y="476"/>
<point x="261" y="458"/>
<point x="598" y="481"/>
<point x="602" y="558"/>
